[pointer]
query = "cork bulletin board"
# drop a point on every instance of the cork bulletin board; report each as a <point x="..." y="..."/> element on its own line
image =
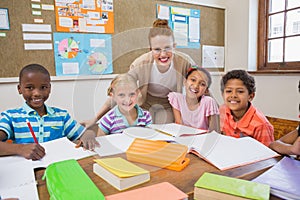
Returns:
<point x="132" y="20"/>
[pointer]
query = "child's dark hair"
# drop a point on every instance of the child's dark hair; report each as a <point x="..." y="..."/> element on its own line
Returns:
<point x="242" y="75"/>
<point x="33" y="68"/>
<point x="201" y="69"/>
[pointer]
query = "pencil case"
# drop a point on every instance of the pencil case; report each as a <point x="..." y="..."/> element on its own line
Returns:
<point x="158" y="153"/>
<point x="66" y="180"/>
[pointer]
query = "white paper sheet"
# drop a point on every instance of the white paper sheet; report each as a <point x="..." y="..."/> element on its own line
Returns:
<point x="17" y="178"/>
<point x="213" y="56"/>
<point x="118" y="143"/>
<point x="36" y="36"/>
<point x="59" y="150"/>
<point x="163" y="12"/>
<point x="113" y="144"/>
<point x="194" y="29"/>
<point x="36" y="28"/>
<point x="177" y="130"/>
<point x="37" y="46"/>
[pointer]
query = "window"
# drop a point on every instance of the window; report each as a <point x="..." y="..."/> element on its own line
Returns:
<point x="279" y="35"/>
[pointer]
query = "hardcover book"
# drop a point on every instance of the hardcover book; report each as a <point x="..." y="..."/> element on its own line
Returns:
<point x="218" y="187"/>
<point x="120" y="173"/>
<point x="160" y="191"/>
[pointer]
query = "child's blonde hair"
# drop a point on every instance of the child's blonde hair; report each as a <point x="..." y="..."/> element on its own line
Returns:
<point x="121" y="80"/>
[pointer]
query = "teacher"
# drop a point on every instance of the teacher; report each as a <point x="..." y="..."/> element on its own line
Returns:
<point x="158" y="72"/>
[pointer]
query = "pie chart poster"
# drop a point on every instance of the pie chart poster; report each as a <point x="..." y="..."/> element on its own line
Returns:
<point x="82" y="54"/>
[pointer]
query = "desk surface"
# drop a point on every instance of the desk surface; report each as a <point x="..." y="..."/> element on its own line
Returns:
<point x="183" y="180"/>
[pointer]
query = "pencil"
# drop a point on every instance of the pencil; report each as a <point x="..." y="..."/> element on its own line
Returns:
<point x="31" y="131"/>
<point x="163" y="132"/>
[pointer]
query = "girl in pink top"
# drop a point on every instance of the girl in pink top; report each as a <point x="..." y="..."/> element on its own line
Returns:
<point x="196" y="109"/>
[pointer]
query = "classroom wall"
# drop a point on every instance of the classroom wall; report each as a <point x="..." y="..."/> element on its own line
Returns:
<point x="129" y="39"/>
<point x="277" y="95"/>
<point x="81" y="97"/>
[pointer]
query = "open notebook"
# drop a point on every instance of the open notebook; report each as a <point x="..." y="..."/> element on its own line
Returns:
<point x="59" y="150"/>
<point x="56" y="150"/>
<point x="225" y="152"/>
<point x="177" y="130"/>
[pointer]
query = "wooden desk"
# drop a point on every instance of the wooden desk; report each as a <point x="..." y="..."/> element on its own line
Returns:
<point x="183" y="180"/>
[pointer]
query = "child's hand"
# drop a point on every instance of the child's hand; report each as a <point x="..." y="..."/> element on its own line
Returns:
<point x="295" y="148"/>
<point x="88" y="123"/>
<point x="88" y="140"/>
<point x="32" y="151"/>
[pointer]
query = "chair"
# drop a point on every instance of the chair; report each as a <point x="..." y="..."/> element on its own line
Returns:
<point x="282" y="126"/>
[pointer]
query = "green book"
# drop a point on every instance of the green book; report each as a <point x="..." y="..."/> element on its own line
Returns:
<point x="66" y="180"/>
<point x="232" y="188"/>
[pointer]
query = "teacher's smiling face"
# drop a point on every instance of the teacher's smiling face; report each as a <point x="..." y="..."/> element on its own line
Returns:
<point x="162" y="48"/>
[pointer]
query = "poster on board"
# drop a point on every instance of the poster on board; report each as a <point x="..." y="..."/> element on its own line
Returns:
<point x="185" y="24"/>
<point x="90" y="16"/>
<point x="4" y="20"/>
<point x="82" y="54"/>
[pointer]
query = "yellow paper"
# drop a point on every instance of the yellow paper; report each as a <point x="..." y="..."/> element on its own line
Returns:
<point x="120" y="167"/>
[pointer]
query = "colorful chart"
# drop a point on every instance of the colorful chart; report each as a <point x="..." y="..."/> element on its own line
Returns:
<point x="68" y="48"/>
<point x="97" y="62"/>
<point x="82" y="54"/>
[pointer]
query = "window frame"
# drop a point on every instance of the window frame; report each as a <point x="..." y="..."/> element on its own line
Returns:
<point x="262" y="43"/>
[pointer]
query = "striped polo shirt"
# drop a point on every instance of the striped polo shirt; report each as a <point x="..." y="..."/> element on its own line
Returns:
<point x="57" y="123"/>
<point x="115" y="122"/>
<point x="253" y="124"/>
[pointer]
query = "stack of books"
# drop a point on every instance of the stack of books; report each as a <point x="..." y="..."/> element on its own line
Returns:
<point x="120" y="173"/>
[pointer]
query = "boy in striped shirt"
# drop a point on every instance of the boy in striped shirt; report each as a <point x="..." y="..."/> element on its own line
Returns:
<point x="48" y="123"/>
<point x="238" y="117"/>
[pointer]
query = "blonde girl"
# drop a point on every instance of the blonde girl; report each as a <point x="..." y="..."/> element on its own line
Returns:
<point x="124" y="92"/>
